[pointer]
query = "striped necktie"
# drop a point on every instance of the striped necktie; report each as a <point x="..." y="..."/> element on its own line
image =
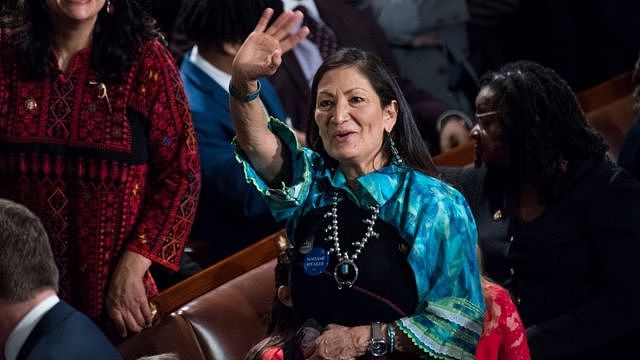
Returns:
<point x="320" y="34"/>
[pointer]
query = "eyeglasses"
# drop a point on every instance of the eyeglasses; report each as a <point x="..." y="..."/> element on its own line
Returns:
<point x="480" y="116"/>
<point x="485" y="114"/>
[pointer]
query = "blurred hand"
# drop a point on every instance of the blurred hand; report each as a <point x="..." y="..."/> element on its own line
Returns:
<point x="127" y="303"/>
<point x="261" y="53"/>
<point x="342" y="343"/>
<point x="454" y="132"/>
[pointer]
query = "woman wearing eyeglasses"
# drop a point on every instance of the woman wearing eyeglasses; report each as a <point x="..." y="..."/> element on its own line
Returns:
<point x="558" y="223"/>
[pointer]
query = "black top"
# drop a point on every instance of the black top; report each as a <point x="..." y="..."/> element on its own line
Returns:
<point x="385" y="289"/>
<point x="574" y="270"/>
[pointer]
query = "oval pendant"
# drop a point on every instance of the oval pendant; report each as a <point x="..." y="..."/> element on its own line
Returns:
<point x="345" y="273"/>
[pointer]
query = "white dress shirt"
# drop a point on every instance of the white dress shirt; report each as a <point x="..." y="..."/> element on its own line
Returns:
<point x="222" y="78"/>
<point x="21" y="332"/>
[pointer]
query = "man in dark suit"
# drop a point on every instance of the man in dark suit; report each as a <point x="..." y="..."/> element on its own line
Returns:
<point x="353" y="27"/>
<point x="34" y="323"/>
<point x="231" y="213"/>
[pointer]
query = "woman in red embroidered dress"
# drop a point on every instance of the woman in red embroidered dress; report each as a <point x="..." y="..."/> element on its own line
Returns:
<point x="96" y="138"/>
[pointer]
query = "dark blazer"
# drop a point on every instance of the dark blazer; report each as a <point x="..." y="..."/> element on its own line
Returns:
<point x="227" y="202"/>
<point x="65" y="333"/>
<point x="354" y="28"/>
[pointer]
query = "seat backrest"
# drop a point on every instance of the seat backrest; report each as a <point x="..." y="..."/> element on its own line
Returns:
<point x="609" y="109"/>
<point x="222" y="324"/>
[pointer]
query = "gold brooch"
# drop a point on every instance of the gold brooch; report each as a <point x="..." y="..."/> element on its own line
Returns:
<point x="30" y="103"/>
<point x="497" y="216"/>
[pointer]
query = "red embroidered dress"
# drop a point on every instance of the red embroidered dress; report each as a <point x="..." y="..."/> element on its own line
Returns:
<point x="106" y="169"/>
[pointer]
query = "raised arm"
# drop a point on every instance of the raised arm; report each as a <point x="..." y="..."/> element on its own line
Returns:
<point x="261" y="55"/>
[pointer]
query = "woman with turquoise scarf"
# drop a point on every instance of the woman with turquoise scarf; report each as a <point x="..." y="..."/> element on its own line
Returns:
<point x="384" y="252"/>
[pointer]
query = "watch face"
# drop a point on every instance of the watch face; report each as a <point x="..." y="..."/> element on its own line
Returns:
<point x="378" y="347"/>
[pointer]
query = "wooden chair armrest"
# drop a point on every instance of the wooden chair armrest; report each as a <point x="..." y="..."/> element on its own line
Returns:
<point x="217" y="274"/>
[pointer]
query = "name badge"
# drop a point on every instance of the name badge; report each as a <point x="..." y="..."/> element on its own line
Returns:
<point x="315" y="261"/>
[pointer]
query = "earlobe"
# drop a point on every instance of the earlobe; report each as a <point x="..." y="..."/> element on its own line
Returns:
<point x="390" y="115"/>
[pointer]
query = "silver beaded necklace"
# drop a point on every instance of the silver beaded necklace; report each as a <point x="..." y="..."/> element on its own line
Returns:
<point x="346" y="272"/>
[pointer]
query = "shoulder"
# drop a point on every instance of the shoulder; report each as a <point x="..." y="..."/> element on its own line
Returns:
<point x="614" y="192"/>
<point x="64" y="328"/>
<point x="153" y="55"/>
<point x="604" y="180"/>
<point x="435" y="204"/>
<point x="65" y="319"/>
<point x="432" y="187"/>
<point x="153" y="47"/>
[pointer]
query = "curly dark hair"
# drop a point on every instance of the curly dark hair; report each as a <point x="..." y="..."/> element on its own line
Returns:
<point x="543" y="125"/>
<point x="405" y="134"/>
<point x="116" y="43"/>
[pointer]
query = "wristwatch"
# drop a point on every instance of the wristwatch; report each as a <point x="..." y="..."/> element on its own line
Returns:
<point x="378" y="344"/>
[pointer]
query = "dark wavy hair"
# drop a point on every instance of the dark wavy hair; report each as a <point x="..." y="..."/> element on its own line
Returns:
<point x="210" y="23"/>
<point x="405" y="134"/>
<point x="543" y="125"/>
<point x="116" y="43"/>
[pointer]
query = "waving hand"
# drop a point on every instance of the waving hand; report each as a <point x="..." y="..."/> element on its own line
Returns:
<point x="261" y="53"/>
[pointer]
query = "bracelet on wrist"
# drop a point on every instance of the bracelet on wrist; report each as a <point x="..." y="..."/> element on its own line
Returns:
<point x="236" y="94"/>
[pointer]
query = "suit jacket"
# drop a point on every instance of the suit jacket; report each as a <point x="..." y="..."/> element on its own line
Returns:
<point x="65" y="333"/>
<point x="354" y="28"/>
<point x="227" y="202"/>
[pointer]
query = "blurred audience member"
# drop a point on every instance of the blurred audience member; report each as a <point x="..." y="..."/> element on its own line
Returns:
<point x="231" y="213"/>
<point x="96" y="138"/>
<point x="429" y="41"/>
<point x="34" y="323"/>
<point x="490" y="29"/>
<point x="335" y="24"/>
<point x="559" y="225"/>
